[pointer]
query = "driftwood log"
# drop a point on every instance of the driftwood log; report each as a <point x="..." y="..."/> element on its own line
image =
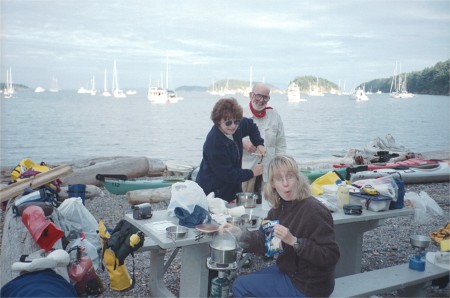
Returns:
<point x="132" y="167"/>
<point x="17" y="241"/>
<point x="156" y="195"/>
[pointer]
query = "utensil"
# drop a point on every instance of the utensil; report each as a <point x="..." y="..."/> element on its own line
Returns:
<point x="176" y="232"/>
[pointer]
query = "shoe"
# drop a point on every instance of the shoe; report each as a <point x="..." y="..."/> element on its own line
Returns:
<point x="247" y="262"/>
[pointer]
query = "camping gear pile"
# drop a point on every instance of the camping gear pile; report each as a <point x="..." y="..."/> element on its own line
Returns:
<point x="67" y="235"/>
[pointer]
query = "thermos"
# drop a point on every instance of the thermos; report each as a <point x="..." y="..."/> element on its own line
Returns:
<point x="220" y="286"/>
<point x="129" y="246"/>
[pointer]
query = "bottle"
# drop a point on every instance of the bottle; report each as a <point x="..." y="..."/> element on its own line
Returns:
<point x="343" y="195"/>
<point x="220" y="286"/>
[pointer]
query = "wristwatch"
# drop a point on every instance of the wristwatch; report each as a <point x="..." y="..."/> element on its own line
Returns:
<point x="297" y="244"/>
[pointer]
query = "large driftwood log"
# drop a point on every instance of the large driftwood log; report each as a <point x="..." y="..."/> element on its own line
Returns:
<point x="156" y="195"/>
<point x="17" y="241"/>
<point x="132" y="167"/>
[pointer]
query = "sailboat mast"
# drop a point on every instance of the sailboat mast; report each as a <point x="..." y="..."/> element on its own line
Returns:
<point x="167" y="70"/>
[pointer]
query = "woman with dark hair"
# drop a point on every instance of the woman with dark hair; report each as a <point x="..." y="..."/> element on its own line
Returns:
<point x="305" y="265"/>
<point x="221" y="167"/>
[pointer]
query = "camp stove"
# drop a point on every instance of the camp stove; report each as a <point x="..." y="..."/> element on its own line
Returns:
<point x="419" y="242"/>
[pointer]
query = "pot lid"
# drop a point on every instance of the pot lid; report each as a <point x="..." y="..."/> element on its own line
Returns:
<point x="207" y="228"/>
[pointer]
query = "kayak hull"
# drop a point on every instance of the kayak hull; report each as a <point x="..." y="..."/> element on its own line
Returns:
<point x="121" y="187"/>
<point x="430" y="173"/>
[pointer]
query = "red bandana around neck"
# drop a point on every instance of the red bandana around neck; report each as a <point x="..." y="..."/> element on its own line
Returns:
<point x="259" y="114"/>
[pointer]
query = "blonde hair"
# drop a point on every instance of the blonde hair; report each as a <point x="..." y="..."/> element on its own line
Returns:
<point x="285" y="163"/>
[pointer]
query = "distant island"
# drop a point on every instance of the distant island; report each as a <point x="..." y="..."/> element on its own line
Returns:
<point x="432" y="80"/>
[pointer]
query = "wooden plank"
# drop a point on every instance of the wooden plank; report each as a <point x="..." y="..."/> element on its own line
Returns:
<point x="17" y="188"/>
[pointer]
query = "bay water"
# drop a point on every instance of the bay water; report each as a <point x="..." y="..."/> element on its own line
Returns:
<point x="67" y="126"/>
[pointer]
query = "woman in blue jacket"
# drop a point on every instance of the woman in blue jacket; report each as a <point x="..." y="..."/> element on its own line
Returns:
<point x="221" y="168"/>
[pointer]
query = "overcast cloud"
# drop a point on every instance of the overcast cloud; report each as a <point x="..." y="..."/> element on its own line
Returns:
<point x="352" y="41"/>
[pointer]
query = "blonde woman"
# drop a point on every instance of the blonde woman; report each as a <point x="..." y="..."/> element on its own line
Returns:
<point x="305" y="267"/>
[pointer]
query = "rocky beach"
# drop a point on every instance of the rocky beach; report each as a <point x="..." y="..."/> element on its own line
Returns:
<point x="384" y="246"/>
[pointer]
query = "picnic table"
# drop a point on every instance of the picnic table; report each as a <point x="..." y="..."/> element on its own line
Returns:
<point x="194" y="273"/>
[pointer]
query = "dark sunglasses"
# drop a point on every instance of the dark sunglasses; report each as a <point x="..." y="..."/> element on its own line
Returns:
<point x="229" y="122"/>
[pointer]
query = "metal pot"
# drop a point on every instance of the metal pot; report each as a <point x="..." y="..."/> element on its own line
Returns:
<point x="246" y="199"/>
<point x="237" y="221"/>
<point x="223" y="251"/>
<point x="176" y="232"/>
<point x="249" y="221"/>
<point x="420" y="241"/>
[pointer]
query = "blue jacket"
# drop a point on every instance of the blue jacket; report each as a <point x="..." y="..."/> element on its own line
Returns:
<point x="221" y="168"/>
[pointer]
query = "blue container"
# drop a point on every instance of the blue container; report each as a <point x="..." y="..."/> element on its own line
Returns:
<point x="77" y="191"/>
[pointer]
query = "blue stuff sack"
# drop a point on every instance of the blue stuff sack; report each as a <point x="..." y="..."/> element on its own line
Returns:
<point x="190" y="220"/>
<point x="399" y="204"/>
<point x="77" y="191"/>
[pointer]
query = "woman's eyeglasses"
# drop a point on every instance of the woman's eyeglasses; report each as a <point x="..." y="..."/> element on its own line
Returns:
<point x="229" y="122"/>
<point x="261" y="97"/>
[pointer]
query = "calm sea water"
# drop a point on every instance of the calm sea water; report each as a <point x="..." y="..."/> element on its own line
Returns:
<point x="66" y="126"/>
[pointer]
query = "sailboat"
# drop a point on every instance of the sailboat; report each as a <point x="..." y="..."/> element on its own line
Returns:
<point x="116" y="92"/>
<point x="398" y="85"/>
<point x="8" y="89"/>
<point x="54" y="87"/>
<point x="160" y="94"/>
<point x="293" y="93"/>
<point x="315" y="91"/>
<point x="105" y="90"/>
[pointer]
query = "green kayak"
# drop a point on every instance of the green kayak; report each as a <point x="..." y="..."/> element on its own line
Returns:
<point x="121" y="187"/>
<point x="314" y="174"/>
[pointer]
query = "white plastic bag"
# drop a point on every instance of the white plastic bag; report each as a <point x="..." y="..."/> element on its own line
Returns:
<point x="425" y="206"/>
<point x="186" y="195"/>
<point x="385" y="186"/>
<point x="77" y="219"/>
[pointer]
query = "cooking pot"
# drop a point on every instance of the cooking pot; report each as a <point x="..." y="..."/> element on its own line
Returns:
<point x="246" y="199"/>
<point x="223" y="251"/>
<point x="249" y="221"/>
<point x="176" y="232"/>
<point x="237" y="221"/>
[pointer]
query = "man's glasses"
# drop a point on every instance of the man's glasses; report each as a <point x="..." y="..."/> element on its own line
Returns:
<point x="261" y="97"/>
<point x="229" y="122"/>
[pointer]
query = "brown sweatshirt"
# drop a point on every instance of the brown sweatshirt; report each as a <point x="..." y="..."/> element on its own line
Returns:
<point x="312" y="268"/>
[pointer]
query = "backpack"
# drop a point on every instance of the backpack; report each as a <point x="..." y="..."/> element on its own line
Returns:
<point x="124" y="240"/>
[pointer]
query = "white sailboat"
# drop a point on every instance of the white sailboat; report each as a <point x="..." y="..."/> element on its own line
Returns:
<point x="116" y="92"/>
<point x="105" y="90"/>
<point x="39" y="89"/>
<point x="315" y="91"/>
<point x="359" y="95"/>
<point x="398" y="85"/>
<point x="54" y="87"/>
<point x="8" y="89"/>
<point x="293" y="93"/>
<point x="160" y="94"/>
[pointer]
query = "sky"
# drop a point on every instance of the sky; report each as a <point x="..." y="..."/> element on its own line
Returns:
<point x="269" y="41"/>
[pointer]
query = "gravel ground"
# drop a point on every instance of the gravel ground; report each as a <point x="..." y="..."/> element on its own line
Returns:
<point x="383" y="247"/>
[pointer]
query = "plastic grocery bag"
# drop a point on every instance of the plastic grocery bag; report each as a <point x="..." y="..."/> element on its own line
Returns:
<point x="77" y="219"/>
<point x="186" y="195"/>
<point x="425" y="206"/>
